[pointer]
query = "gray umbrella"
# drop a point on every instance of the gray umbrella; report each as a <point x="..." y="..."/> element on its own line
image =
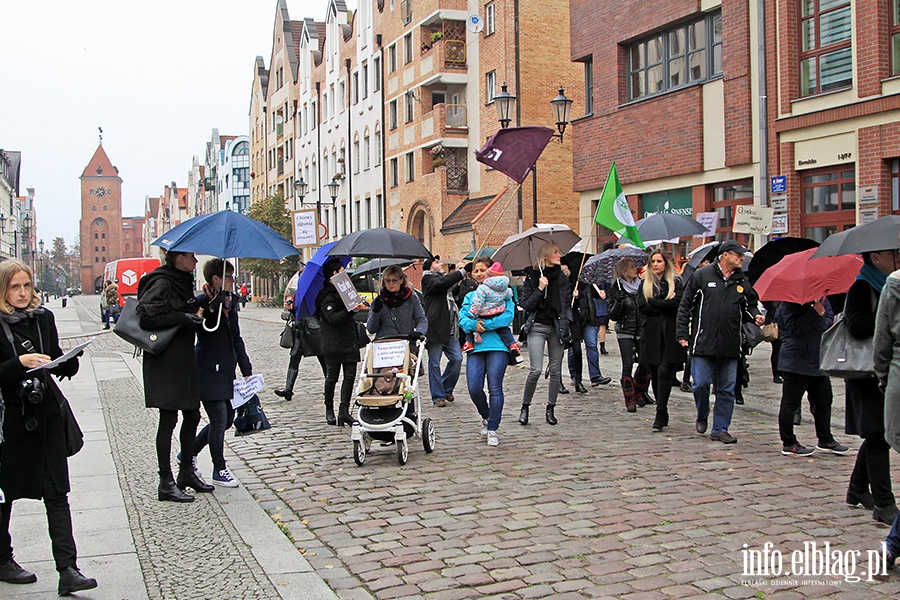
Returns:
<point x="880" y="234"/>
<point x="379" y="242"/>
<point x="667" y="226"/>
<point x="521" y="250"/>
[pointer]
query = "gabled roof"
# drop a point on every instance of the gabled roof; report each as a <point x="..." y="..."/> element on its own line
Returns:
<point x="461" y="218"/>
<point x="182" y="197"/>
<point x="263" y="73"/>
<point x="152" y="207"/>
<point x="289" y="45"/>
<point x="100" y="165"/>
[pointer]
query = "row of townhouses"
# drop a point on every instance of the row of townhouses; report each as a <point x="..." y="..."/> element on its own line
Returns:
<point x="18" y="213"/>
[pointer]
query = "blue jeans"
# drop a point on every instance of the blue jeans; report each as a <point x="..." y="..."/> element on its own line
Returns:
<point x="493" y="365"/>
<point x="442" y="384"/>
<point x="892" y="541"/>
<point x="221" y="417"/>
<point x="543" y="335"/>
<point x="593" y="353"/>
<point x="724" y="370"/>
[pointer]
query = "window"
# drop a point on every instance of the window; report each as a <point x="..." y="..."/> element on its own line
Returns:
<point x="589" y="86"/>
<point x="365" y="81"/>
<point x="392" y="114"/>
<point x="377" y="147"/>
<point x="895" y="185"/>
<point x="826" y="61"/>
<point x="392" y="58"/>
<point x="407" y="48"/>
<point x="395" y="173"/>
<point x="490" y="86"/>
<point x="410" y="166"/>
<point x="726" y="196"/>
<point x="342" y="95"/>
<point x="96" y="236"/>
<point x="354" y="85"/>
<point x="685" y="55"/>
<point x="376" y="74"/>
<point x="356" y="155"/>
<point x="313" y="117"/>
<point x="325" y="106"/>
<point x="829" y="201"/>
<point x="895" y="37"/>
<point x="367" y="152"/>
<point x="489" y="25"/>
<point x="409" y="110"/>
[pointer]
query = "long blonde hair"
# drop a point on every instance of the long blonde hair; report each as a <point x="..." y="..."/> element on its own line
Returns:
<point x="8" y="270"/>
<point x="546" y="249"/>
<point x="651" y="279"/>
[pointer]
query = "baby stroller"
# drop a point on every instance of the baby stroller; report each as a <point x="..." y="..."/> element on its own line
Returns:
<point x="388" y="404"/>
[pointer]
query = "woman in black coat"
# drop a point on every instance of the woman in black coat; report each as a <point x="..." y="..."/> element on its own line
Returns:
<point x="547" y="301"/>
<point x="864" y="412"/>
<point x="33" y="456"/>
<point x="218" y="353"/>
<point x="622" y="302"/>
<point x="659" y="350"/>
<point x="171" y="384"/>
<point x="342" y="350"/>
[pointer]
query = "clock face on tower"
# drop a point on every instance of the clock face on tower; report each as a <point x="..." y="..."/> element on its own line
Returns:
<point x="100" y="192"/>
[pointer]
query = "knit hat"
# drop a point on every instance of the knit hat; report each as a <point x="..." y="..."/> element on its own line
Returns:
<point x="495" y="270"/>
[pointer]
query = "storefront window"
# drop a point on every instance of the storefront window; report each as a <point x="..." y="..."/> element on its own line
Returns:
<point x="895" y="185"/>
<point x="725" y="196"/>
<point x="829" y="201"/>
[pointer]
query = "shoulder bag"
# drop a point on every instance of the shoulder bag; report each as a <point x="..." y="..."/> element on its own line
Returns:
<point x="128" y="327"/>
<point x="311" y="332"/>
<point x="844" y="356"/>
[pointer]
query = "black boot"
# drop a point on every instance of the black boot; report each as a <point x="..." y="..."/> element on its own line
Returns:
<point x="562" y="388"/>
<point x="344" y="417"/>
<point x="287" y="392"/>
<point x="523" y="415"/>
<point x="603" y="350"/>
<point x="12" y="572"/>
<point x="72" y="580"/>
<point x="188" y="478"/>
<point x="169" y="491"/>
<point x="579" y="387"/>
<point x="551" y="418"/>
<point x="329" y="414"/>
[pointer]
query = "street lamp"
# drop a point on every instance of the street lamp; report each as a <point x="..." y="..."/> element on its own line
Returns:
<point x="300" y="189"/>
<point x="2" y="231"/>
<point x="26" y="229"/>
<point x="504" y="102"/>
<point x="561" y="105"/>
<point x="41" y="263"/>
<point x="333" y="188"/>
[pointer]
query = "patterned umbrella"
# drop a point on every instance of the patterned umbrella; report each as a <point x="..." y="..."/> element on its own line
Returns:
<point x="599" y="268"/>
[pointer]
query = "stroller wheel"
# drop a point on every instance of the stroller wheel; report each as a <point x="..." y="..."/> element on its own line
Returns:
<point x="402" y="451"/>
<point x="429" y="439"/>
<point x="359" y="452"/>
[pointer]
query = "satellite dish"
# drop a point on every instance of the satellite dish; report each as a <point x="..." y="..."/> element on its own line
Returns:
<point x="475" y="24"/>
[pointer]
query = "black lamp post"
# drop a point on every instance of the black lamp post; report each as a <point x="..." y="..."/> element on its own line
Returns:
<point x="26" y="229"/>
<point x="41" y="265"/>
<point x="561" y="105"/>
<point x="2" y="230"/>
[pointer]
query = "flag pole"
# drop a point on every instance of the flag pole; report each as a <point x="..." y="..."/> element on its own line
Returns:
<point x="497" y="221"/>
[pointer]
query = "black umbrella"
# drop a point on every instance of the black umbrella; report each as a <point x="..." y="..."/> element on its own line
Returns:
<point x="574" y="260"/>
<point x="379" y="242"/>
<point x="379" y="264"/>
<point x="704" y="252"/>
<point x="486" y="251"/>
<point x="668" y="226"/>
<point x="880" y="234"/>
<point x="772" y="252"/>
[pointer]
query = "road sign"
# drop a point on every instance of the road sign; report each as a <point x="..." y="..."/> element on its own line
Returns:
<point x="779" y="184"/>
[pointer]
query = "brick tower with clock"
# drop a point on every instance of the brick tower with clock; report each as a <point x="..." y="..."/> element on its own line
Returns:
<point x="101" y="219"/>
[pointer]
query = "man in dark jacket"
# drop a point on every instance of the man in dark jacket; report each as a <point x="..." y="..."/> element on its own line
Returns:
<point x="443" y="316"/>
<point x="716" y="302"/>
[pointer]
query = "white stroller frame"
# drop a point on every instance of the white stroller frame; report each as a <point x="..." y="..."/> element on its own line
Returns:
<point x="408" y="392"/>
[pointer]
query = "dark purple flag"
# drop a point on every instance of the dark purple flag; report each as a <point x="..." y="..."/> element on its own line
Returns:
<point x="514" y="150"/>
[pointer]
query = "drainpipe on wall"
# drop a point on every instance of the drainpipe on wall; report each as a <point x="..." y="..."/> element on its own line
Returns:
<point x="349" y="158"/>
<point x="518" y="100"/>
<point x="763" y="108"/>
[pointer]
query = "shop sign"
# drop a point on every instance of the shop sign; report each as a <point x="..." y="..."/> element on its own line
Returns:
<point x="752" y="219"/>
<point x="779" y="224"/>
<point x="868" y="194"/>
<point x="779" y="203"/>
<point x="676" y="202"/>
<point x="867" y="215"/>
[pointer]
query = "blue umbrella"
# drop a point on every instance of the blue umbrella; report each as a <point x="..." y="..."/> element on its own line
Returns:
<point x="226" y="234"/>
<point x="311" y="281"/>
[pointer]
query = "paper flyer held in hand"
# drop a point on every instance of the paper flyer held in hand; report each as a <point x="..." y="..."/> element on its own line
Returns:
<point x="68" y="355"/>
<point x="244" y="389"/>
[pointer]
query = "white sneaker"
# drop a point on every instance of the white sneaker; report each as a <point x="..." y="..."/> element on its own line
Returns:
<point x="484" y="431"/>
<point x="492" y="438"/>
<point x="224" y="478"/>
<point x="196" y="468"/>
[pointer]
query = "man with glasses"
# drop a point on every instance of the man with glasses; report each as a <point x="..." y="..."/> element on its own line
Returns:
<point x="443" y="317"/>
<point x="717" y="300"/>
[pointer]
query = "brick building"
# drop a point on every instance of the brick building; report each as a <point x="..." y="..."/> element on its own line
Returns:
<point x="100" y="229"/>
<point x="670" y="89"/>
<point x="834" y="106"/>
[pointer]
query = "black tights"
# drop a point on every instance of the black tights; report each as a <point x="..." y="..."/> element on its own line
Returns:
<point x="662" y="377"/>
<point x="627" y="349"/>
<point x="167" y="421"/>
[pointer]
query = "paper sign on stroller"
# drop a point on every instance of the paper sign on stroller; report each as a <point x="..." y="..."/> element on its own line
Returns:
<point x="244" y="389"/>
<point x="388" y="354"/>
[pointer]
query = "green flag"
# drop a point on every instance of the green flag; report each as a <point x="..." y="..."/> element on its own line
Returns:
<point x="613" y="212"/>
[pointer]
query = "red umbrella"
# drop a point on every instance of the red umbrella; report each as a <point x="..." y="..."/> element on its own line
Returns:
<point x="797" y="278"/>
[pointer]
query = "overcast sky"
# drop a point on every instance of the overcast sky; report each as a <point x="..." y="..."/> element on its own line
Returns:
<point x="157" y="76"/>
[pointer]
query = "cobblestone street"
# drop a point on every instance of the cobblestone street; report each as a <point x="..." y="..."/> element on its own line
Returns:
<point x="597" y="506"/>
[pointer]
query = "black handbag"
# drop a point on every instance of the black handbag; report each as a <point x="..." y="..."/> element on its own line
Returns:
<point x="311" y="336"/>
<point x="362" y="336"/>
<point x="287" y="336"/>
<point x="752" y="335"/>
<point x="128" y="327"/>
